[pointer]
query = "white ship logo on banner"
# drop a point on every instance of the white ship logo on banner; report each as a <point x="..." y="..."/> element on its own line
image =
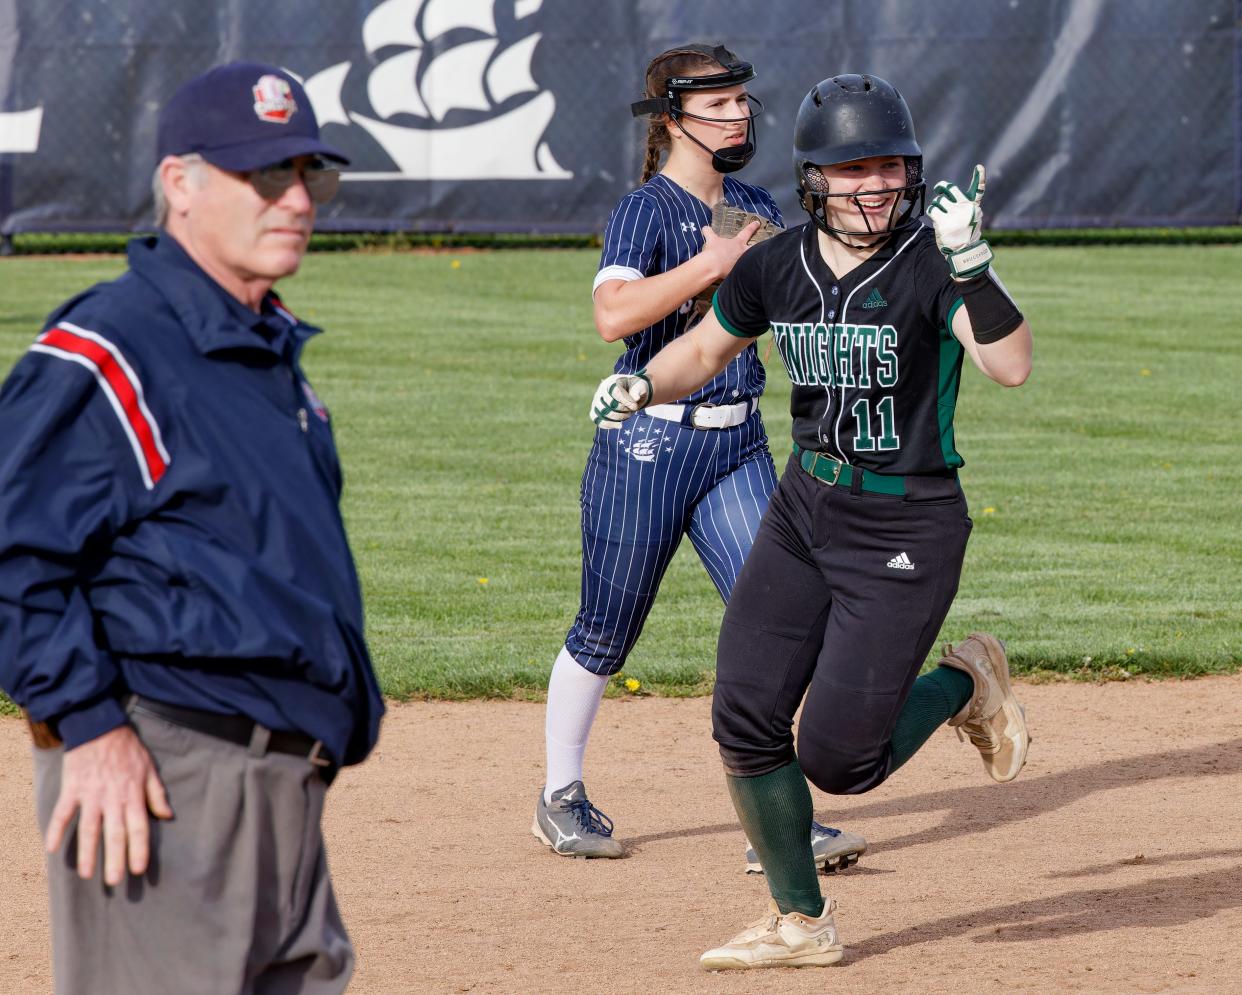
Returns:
<point x="428" y="80"/>
<point x="19" y="130"/>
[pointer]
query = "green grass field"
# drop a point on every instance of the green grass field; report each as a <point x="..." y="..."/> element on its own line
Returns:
<point x="1107" y="538"/>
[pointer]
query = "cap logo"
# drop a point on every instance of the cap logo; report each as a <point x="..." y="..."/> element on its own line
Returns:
<point x="273" y="99"/>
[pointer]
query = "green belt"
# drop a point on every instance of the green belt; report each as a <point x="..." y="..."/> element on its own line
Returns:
<point x="832" y="471"/>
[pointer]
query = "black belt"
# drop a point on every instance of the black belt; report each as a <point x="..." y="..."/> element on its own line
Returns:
<point x="240" y="730"/>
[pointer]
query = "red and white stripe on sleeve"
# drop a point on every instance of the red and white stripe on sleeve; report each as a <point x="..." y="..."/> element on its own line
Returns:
<point x="120" y="385"/>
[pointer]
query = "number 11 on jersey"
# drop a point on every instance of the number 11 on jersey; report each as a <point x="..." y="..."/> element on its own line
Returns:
<point x="864" y="441"/>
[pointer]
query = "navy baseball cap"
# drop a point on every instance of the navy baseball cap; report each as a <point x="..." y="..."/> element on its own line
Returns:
<point x="241" y="116"/>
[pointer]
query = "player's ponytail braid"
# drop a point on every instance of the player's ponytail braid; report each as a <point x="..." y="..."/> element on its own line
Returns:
<point x="657" y="142"/>
<point x="674" y="62"/>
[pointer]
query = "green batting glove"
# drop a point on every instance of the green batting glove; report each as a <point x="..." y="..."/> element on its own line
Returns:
<point x="957" y="218"/>
<point x="618" y="397"/>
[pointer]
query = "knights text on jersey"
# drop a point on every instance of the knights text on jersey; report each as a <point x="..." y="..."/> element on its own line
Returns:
<point x="654" y="229"/>
<point x="874" y="364"/>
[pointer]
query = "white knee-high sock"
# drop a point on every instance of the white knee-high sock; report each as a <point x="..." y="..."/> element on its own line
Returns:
<point x="574" y="694"/>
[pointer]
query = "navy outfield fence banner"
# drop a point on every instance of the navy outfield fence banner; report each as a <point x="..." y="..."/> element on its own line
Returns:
<point x="513" y="115"/>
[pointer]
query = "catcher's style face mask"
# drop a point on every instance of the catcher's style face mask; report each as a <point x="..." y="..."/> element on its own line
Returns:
<point x="736" y="72"/>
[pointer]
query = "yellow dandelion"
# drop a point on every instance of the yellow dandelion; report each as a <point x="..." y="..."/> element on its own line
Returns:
<point x="483" y="582"/>
<point x="632" y="685"/>
<point x="455" y="264"/>
<point x="1130" y="651"/>
<point x="1144" y="372"/>
<point x="989" y="510"/>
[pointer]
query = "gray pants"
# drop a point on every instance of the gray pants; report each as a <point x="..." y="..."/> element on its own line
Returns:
<point x="237" y="898"/>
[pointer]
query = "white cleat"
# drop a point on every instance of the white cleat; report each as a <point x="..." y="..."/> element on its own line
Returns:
<point x="789" y="940"/>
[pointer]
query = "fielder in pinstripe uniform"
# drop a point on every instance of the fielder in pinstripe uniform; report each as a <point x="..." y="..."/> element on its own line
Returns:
<point x="697" y="467"/>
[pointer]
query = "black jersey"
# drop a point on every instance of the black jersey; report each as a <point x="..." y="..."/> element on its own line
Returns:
<point x="873" y="361"/>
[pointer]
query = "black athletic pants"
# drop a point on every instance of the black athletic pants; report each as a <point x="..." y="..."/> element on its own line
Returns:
<point x="828" y="607"/>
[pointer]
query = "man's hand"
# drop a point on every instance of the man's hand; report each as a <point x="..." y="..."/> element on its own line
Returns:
<point x="957" y="218"/>
<point x="111" y="782"/>
<point x="617" y="397"/>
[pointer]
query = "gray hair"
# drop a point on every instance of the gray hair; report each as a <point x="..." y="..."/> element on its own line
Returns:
<point x="194" y="163"/>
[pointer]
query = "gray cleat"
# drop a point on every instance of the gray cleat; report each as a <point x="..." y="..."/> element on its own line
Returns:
<point x="834" y="850"/>
<point x="573" y="827"/>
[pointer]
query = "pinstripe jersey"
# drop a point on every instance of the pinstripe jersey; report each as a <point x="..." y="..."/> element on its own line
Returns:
<point x="654" y="229"/>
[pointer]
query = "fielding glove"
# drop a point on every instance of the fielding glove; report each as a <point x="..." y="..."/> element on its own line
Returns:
<point x="618" y="397"/>
<point x="728" y="222"/>
<point x="957" y="218"/>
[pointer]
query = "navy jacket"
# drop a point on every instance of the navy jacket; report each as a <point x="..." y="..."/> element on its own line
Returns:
<point x="169" y="517"/>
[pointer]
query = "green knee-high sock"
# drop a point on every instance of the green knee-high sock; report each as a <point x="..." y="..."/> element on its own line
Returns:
<point x="934" y="699"/>
<point x="775" y="811"/>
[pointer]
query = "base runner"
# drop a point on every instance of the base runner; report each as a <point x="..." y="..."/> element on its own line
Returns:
<point x="858" y="557"/>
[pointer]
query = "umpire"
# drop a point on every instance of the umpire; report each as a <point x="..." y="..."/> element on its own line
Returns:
<point x="180" y="616"/>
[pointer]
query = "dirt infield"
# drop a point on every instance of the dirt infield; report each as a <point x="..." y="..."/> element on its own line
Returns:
<point x="1113" y="864"/>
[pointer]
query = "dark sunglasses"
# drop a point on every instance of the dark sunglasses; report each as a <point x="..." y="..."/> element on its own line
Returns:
<point x="322" y="181"/>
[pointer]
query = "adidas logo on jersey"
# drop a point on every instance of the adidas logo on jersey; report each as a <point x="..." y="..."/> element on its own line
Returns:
<point x="874" y="300"/>
<point x="901" y="562"/>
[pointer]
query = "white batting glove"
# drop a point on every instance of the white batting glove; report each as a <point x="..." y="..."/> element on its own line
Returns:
<point x="957" y="218"/>
<point x="618" y="397"/>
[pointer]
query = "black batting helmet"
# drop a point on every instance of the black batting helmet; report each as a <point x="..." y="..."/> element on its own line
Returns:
<point x="852" y="117"/>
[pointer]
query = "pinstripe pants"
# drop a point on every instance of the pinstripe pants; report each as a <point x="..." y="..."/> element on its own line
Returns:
<point x="646" y="485"/>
